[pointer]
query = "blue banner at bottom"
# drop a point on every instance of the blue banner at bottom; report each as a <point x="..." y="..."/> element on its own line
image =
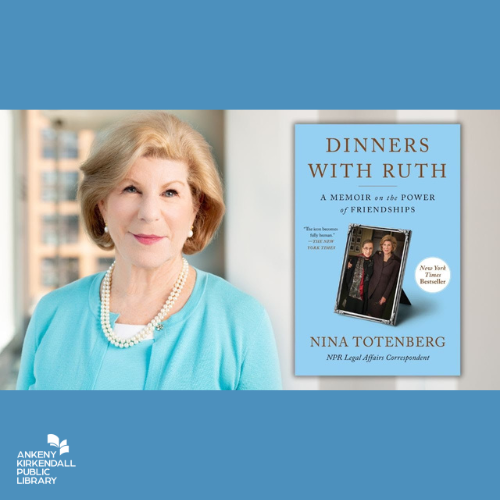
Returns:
<point x="388" y="445"/>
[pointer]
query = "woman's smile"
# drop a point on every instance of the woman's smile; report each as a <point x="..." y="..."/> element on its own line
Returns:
<point x="147" y="239"/>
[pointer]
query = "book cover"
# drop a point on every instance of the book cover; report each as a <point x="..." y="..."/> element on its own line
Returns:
<point x="377" y="249"/>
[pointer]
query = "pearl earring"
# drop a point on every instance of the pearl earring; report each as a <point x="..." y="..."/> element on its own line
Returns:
<point x="106" y="230"/>
<point x="190" y="234"/>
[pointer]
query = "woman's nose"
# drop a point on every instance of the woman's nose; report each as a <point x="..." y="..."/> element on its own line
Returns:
<point x="149" y="210"/>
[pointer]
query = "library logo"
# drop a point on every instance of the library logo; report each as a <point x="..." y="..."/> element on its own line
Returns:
<point x="53" y="440"/>
<point x="36" y="467"/>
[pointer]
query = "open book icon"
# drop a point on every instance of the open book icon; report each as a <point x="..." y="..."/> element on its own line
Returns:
<point x="53" y="440"/>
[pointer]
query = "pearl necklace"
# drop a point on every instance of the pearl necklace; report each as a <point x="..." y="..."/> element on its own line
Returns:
<point x="154" y="323"/>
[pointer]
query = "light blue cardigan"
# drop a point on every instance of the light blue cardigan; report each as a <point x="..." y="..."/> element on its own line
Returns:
<point x="221" y="339"/>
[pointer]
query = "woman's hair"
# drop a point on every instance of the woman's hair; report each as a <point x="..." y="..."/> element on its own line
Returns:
<point x="390" y="238"/>
<point x="365" y="242"/>
<point x="153" y="135"/>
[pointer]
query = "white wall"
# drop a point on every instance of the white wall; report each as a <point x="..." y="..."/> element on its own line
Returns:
<point x="259" y="221"/>
<point x="7" y="323"/>
<point x="480" y="250"/>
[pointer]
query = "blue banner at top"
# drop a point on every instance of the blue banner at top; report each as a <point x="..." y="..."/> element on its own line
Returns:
<point x="322" y="55"/>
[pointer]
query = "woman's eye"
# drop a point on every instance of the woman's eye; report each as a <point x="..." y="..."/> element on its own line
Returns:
<point x="169" y="193"/>
<point x="130" y="189"/>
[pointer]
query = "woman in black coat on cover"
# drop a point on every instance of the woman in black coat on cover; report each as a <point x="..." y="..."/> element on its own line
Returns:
<point x="358" y="274"/>
<point x="385" y="274"/>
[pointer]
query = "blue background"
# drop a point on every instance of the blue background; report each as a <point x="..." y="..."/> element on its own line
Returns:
<point x="388" y="445"/>
<point x="219" y="55"/>
<point x="317" y="55"/>
<point x="435" y="227"/>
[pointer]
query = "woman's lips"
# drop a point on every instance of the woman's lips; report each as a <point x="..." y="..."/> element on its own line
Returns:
<point x="147" y="239"/>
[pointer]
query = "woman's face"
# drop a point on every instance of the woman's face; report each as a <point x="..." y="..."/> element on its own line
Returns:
<point x="150" y="213"/>
<point x="367" y="249"/>
<point x="387" y="247"/>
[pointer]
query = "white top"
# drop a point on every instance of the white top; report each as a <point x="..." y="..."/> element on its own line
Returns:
<point x="128" y="331"/>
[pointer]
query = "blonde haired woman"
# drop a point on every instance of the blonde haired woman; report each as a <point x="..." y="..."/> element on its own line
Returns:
<point x="385" y="274"/>
<point x="151" y="192"/>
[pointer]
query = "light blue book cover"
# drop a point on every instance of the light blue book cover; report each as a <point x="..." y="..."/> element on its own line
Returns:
<point x="377" y="249"/>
